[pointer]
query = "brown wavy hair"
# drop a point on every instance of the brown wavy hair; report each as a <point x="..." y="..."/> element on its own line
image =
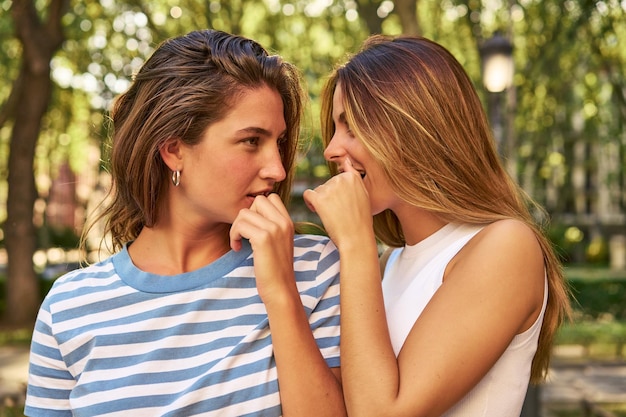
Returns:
<point x="189" y="83"/>
<point x="412" y="105"/>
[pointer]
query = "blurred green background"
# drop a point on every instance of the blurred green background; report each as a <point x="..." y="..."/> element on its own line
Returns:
<point x="559" y="123"/>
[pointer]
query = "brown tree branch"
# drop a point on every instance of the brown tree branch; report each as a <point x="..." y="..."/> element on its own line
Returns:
<point x="54" y="26"/>
<point x="39" y="41"/>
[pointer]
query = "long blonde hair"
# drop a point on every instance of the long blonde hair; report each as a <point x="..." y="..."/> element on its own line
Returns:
<point x="417" y="112"/>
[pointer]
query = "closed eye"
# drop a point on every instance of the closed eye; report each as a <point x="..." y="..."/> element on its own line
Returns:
<point x="343" y="122"/>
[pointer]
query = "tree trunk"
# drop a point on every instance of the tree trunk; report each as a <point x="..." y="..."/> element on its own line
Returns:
<point x="20" y="237"/>
<point x="407" y="12"/>
<point x="30" y="98"/>
<point x="368" y="11"/>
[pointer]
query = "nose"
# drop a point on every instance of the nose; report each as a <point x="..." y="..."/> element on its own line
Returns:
<point x="274" y="169"/>
<point x="334" y="151"/>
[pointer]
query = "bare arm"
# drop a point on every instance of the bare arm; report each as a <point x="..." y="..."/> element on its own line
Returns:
<point x="308" y="387"/>
<point x="492" y="291"/>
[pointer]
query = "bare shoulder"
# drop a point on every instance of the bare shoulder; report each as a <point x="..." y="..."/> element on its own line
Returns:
<point x="505" y="259"/>
<point x="507" y="237"/>
<point x="517" y="246"/>
<point x="504" y="251"/>
<point x="506" y="246"/>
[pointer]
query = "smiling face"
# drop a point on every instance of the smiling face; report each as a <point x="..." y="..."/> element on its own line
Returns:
<point x="344" y="144"/>
<point x="237" y="159"/>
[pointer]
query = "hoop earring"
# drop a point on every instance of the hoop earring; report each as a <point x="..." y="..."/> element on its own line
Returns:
<point x="176" y="178"/>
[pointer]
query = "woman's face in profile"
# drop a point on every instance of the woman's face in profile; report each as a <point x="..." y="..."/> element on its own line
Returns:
<point x="344" y="144"/>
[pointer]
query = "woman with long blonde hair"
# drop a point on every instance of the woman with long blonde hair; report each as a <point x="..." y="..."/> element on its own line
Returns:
<point x="473" y="293"/>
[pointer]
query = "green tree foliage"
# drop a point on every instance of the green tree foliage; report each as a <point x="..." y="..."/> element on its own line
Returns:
<point x="571" y="87"/>
<point x="569" y="93"/>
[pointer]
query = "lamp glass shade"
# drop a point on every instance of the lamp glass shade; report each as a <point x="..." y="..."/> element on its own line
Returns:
<point x="498" y="72"/>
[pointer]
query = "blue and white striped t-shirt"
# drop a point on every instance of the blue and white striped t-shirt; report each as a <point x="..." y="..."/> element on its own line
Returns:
<point x="113" y="340"/>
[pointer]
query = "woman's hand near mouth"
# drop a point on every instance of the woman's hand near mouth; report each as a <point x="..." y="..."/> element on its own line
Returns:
<point x="269" y="228"/>
<point x="342" y="203"/>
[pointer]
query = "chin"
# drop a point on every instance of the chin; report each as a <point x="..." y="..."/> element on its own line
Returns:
<point x="378" y="210"/>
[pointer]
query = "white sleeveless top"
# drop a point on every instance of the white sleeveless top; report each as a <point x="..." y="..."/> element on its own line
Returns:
<point x="412" y="276"/>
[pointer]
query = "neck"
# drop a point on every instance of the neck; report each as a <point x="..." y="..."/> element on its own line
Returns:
<point x="163" y="251"/>
<point x="417" y="224"/>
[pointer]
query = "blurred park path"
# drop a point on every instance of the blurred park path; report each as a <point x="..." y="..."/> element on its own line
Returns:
<point x="13" y="374"/>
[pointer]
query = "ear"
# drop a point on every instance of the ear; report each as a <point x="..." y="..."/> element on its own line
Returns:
<point x="171" y="153"/>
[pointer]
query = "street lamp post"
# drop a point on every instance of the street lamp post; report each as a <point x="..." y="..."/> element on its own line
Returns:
<point x="497" y="64"/>
<point x="497" y="69"/>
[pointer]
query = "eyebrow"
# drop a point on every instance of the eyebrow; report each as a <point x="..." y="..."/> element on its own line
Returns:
<point x="259" y="131"/>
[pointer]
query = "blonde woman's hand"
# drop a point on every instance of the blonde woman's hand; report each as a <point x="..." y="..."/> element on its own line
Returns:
<point x="343" y="205"/>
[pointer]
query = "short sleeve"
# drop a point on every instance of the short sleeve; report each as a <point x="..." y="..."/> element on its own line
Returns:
<point x="49" y="381"/>
<point x="325" y="317"/>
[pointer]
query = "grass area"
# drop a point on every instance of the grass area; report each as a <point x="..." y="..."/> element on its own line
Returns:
<point x="597" y="339"/>
<point x="598" y="293"/>
<point x="591" y="273"/>
<point x="618" y="410"/>
<point x="8" y="411"/>
<point x="19" y="336"/>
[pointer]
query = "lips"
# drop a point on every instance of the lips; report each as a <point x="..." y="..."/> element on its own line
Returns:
<point x="361" y="172"/>
<point x="263" y="193"/>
